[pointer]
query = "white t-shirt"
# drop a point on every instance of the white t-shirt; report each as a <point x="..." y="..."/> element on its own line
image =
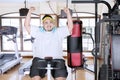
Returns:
<point x="48" y="44"/>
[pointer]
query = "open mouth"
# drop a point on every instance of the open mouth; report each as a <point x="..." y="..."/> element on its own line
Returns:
<point x="49" y="28"/>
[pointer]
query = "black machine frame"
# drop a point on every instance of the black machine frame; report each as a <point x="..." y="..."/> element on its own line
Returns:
<point x="97" y="28"/>
<point x="109" y="70"/>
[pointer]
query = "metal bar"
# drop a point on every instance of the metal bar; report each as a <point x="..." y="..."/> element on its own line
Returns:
<point x="96" y="16"/>
<point x="96" y="41"/>
<point x="84" y="1"/>
<point x="104" y="2"/>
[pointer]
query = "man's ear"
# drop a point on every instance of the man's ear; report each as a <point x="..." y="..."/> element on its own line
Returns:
<point x="54" y="21"/>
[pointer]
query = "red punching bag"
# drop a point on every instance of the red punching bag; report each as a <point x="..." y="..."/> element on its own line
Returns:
<point x="74" y="45"/>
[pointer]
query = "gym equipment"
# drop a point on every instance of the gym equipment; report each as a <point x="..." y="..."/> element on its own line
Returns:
<point x="9" y="60"/>
<point x="49" y="67"/>
<point x="23" y="11"/>
<point x="115" y="50"/>
<point x="63" y="14"/>
<point x="110" y="68"/>
<point x="74" y="48"/>
<point x="92" y="66"/>
<point x="25" y="68"/>
<point x="97" y="30"/>
<point x="74" y="45"/>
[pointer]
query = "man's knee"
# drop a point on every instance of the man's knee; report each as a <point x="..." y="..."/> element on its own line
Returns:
<point x="60" y="78"/>
<point x="36" y="78"/>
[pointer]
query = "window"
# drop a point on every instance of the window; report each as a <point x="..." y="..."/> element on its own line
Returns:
<point x="15" y="20"/>
<point x="87" y="26"/>
<point x="27" y="44"/>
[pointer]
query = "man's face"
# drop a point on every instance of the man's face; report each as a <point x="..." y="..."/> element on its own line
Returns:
<point x="48" y="24"/>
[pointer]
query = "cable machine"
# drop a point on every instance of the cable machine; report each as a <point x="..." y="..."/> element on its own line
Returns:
<point x="110" y="68"/>
<point x="97" y="28"/>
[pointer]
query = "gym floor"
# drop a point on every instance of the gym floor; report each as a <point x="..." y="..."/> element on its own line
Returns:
<point x="82" y="74"/>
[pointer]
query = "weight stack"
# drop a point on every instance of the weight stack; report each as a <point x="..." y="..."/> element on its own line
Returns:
<point x="115" y="51"/>
<point x="74" y="45"/>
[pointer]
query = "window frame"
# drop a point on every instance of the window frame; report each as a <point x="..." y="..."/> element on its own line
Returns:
<point x="6" y="16"/>
<point x="38" y="17"/>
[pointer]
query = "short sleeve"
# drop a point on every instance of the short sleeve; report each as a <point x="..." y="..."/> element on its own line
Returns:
<point x="63" y="31"/>
<point x="34" y="30"/>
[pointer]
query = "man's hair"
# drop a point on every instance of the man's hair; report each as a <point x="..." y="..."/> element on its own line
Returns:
<point x="46" y="15"/>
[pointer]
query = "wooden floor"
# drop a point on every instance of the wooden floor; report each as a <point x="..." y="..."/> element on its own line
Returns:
<point x="81" y="74"/>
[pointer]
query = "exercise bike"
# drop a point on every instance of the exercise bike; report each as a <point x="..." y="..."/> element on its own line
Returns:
<point x="49" y="66"/>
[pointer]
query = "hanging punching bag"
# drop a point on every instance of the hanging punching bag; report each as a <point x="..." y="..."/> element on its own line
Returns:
<point x="74" y="45"/>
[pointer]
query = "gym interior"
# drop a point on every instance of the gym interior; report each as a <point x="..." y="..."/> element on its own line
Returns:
<point x="97" y="23"/>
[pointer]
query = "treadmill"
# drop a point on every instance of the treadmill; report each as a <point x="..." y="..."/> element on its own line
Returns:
<point x="9" y="60"/>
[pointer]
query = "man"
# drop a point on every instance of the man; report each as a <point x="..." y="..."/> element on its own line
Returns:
<point x="48" y="43"/>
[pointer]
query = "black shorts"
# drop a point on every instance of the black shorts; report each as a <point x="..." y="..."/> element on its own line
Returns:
<point x="35" y="71"/>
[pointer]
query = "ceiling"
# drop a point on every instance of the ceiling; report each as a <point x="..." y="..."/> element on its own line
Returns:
<point x="13" y="5"/>
<point x="22" y="1"/>
<point x="32" y="1"/>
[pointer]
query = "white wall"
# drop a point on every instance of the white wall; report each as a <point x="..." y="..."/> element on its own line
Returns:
<point x="43" y="7"/>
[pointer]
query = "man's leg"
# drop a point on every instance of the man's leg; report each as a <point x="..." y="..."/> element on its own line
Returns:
<point x="61" y="73"/>
<point x="60" y="78"/>
<point x="35" y="72"/>
<point x="36" y="78"/>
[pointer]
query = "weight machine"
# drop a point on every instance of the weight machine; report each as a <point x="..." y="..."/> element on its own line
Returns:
<point x="110" y="68"/>
<point x="97" y="29"/>
<point x="107" y="42"/>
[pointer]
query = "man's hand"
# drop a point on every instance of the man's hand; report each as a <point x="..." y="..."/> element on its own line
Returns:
<point x="28" y="19"/>
<point x="66" y="10"/>
<point x="69" y="19"/>
<point x="32" y="9"/>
